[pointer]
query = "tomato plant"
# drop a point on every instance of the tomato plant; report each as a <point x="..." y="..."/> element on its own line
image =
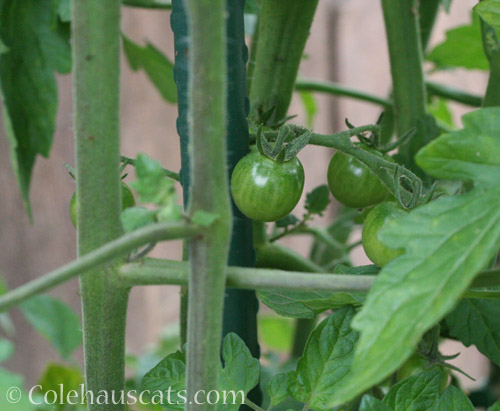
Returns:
<point x="350" y="331"/>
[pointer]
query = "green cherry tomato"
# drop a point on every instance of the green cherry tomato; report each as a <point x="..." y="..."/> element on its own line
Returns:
<point x="352" y="183"/>
<point x="376" y="219"/>
<point x="264" y="189"/>
<point x="128" y="201"/>
<point x="416" y="364"/>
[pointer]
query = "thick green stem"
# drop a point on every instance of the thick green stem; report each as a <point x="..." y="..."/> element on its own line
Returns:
<point x="96" y="53"/>
<point x="491" y="45"/>
<point x="271" y="255"/>
<point x="110" y="251"/>
<point x="209" y="191"/>
<point x="405" y="52"/>
<point x="283" y="30"/>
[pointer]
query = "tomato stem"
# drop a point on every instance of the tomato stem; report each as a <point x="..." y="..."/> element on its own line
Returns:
<point x="208" y="191"/>
<point x="491" y="45"/>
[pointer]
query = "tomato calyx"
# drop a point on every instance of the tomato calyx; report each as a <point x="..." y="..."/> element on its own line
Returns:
<point x="287" y="144"/>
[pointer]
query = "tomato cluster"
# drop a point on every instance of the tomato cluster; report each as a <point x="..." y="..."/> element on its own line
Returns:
<point x="267" y="189"/>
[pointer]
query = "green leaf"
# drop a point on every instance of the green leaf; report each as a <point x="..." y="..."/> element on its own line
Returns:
<point x="57" y="378"/>
<point x="477" y="322"/>
<point x="64" y="10"/>
<point x="489" y="11"/>
<point x="310" y="107"/>
<point x="467" y="39"/>
<point x="152" y="185"/>
<point x="453" y="399"/>
<point x="317" y="200"/>
<point x="241" y="371"/>
<point x="420" y="392"/>
<point x="287" y="221"/>
<point x="326" y="361"/>
<point x="57" y="322"/>
<point x="495" y="407"/>
<point x="11" y="381"/>
<point x="203" y="218"/>
<point x="472" y="153"/>
<point x="307" y="304"/>
<point x="369" y="403"/>
<point x="36" y="44"/>
<point x="276" y="333"/>
<point x="136" y="217"/>
<point x="277" y="389"/>
<point x="447" y="242"/>
<point x="6" y="349"/>
<point x="156" y="65"/>
<point x="440" y="110"/>
<point x="169" y="376"/>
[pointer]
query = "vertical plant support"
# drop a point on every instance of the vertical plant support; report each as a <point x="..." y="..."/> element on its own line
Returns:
<point x="405" y="52"/>
<point x="209" y="191"/>
<point x="96" y="39"/>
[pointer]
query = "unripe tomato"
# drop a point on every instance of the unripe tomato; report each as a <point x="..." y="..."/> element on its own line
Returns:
<point x="128" y="201"/>
<point x="376" y="219"/>
<point x="265" y="189"/>
<point x="416" y="364"/>
<point x="354" y="184"/>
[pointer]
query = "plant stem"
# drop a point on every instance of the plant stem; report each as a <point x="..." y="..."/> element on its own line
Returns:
<point x="209" y="191"/>
<point x="149" y="4"/>
<point x="110" y="251"/>
<point x="170" y="174"/>
<point x="157" y="272"/>
<point x="96" y="56"/>
<point x="283" y="30"/>
<point x="433" y="88"/>
<point x="491" y="45"/>
<point x="339" y="90"/>
<point x="428" y="10"/>
<point x="152" y="271"/>
<point x="252" y="405"/>
<point x="272" y="255"/>
<point x="453" y="94"/>
<point x="405" y="52"/>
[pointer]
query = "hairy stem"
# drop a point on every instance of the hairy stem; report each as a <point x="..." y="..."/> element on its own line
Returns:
<point x="96" y="54"/>
<point x="209" y="191"/>
<point x="156" y="271"/>
<point x="108" y="252"/>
